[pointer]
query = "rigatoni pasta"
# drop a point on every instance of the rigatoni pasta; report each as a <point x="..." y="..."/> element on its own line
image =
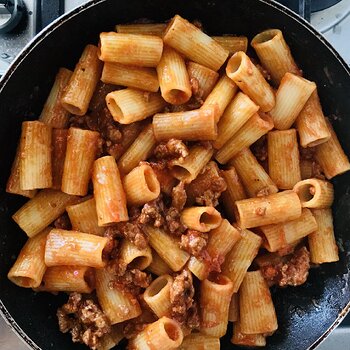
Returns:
<point x="151" y="216"/>
<point x="180" y="34"/>
<point x="35" y="156"/>
<point x="130" y="105"/>
<point x="53" y="113"/>
<point x="131" y="49"/>
<point x="80" y="88"/>
<point x="80" y="155"/>
<point x="249" y="79"/>
<point x="173" y="77"/>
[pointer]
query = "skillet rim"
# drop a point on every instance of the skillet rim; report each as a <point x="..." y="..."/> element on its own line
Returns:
<point x="45" y="32"/>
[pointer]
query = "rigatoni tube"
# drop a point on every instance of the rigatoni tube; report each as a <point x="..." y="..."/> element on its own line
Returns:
<point x="283" y="158"/>
<point x="141" y="185"/>
<point x="139" y="150"/>
<point x="165" y="334"/>
<point x="35" y="156"/>
<point x="134" y="257"/>
<point x="241" y="256"/>
<point x="235" y="116"/>
<point x="291" y="96"/>
<point x="322" y="244"/>
<point x="198" y="341"/>
<point x="74" y="248"/>
<point x="311" y="123"/>
<point x="234" y="192"/>
<point x="80" y="155"/>
<point x="135" y="77"/>
<point x="167" y="248"/>
<point x="53" y="113"/>
<point x="83" y="217"/>
<point x="59" y="147"/>
<point x="131" y="49"/>
<point x="158" y="265"/>
<point x="205" y="77"/>
<point x="130" y="105"/>
<point x="256" y="181"/>
<point x="215" y="296"/>
<point x="232" y="43"/>
<point x="195" y="125"/>
<point x="82" y="84"/>
<point x="251" y="131"/>
<point x="249" y="79"/>
<point x="14" y="182"/>
<point x="202" y="219"/>
<point x="29" y="268"/>
<point x="249" y="340"/>
<point x="278" y="236"/>
<point x="314" y="193"/>
<point x="271" y="209"/>
<point x="80" y="279"/>
<point x="142" y="28"/>
<point x="173" y="77"/>
<point x="220" y="96"/>
<point x="108" y="191"/>
<point x="274" y="54"/>
<point x="188" y="169"/>
<point x="233" y="312"/>
<point x="257" y="313"/>
<point x="42" y="210"/>
<point x="117" y="304"/>
<point x="181" y="34"/>
<point x="157" y="295"/>
<point x="331" y="156"/>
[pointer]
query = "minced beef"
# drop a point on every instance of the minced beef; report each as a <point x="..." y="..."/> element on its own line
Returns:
<point x="194" y="242"/>
<point x="289" y="270"/>
<point x="84" y="319"/>
<point x="179" y="196"/>
<point x="131" y="231"/>
<point x="171" y="150"/>
<point x="206" y="189"/>
<point x="183" y="308"/>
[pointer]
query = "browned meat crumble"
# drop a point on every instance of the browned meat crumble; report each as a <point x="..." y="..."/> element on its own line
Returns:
<point x="84" y="319"/>
<point x="194" y="242"/>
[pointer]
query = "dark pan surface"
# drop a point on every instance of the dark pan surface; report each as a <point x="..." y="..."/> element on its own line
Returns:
<point x="304" y="313"/>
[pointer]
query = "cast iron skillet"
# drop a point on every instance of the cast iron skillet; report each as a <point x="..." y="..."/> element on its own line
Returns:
<point x="306" y="314"/>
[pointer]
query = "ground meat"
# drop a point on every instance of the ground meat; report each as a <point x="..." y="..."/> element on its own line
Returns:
<point x="179" y="196"/>
<point x="132" y="327"/>
<point x="131" y="231"/>
<point x="171" y="150"/>
<point x="153" y="213"/>
<point x="98" y="100"/>
<point x="63" y="222"/>
<point x="84" y="319"/>
<point x="157" y="214"/>
<point x="132" y="281"/>
<point x="194" y="242"/>
<point x="183" y="307"/>
<point x="290" y="270"/>
<point x="207" y="187"/>
<point x="174" y="224"/>
<point x="307" y="153"/>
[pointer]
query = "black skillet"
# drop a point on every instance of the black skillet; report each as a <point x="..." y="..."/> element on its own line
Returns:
<point x="306" y="314"/>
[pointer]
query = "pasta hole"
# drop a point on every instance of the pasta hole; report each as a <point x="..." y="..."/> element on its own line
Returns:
<point x="306" y="192"/>
<point x="180" y="172"/>
<point x="208" y="219"/>
<point x="234" y="63"/>
<point x="157" y="286"/>
<point x="89" y="278"/>
<point x="72" y="109"/>
<point x="219" y="279"/>
<point x="267" y="35"/>
<point x="171" y="330"/>
<point x="176" y="96"/>
<point x="138" y="262"/>
<point x="114" y="109"/>
<point x="25" y="282"/>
